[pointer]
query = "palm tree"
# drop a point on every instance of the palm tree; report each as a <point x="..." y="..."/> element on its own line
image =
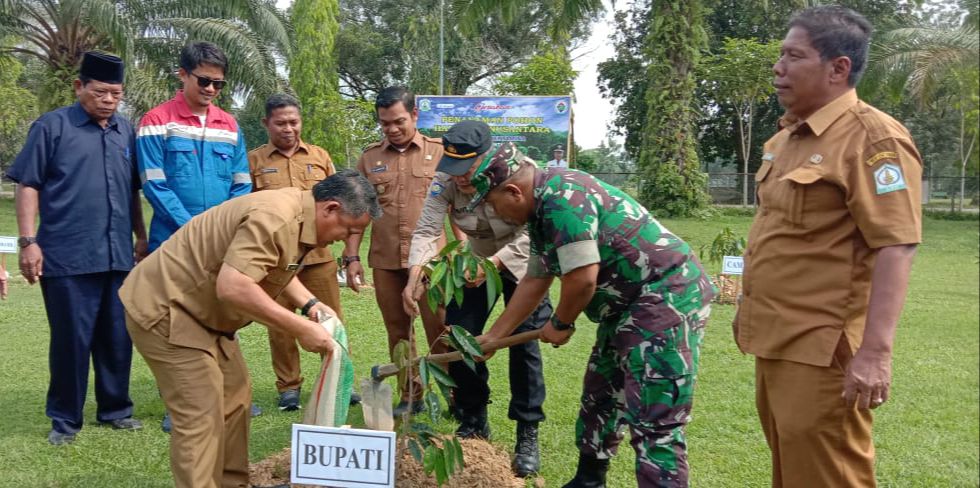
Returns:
<point x="934" y="64"/>
<point x="148" y="34"/>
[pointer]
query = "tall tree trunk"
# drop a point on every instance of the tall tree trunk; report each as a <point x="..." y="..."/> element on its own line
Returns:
<point x="673" y="183"/>
<point x="313" y="72"/>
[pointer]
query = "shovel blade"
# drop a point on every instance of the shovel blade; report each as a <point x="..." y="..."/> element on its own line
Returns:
<point x="376" y="405"/>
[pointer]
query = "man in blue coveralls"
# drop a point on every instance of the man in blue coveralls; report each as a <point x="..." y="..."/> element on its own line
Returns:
<point x="191" y="153"/>
<point x="77" y="169"/>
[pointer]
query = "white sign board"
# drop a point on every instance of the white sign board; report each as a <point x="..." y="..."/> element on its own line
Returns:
<point x="8" y="245"/>
<point x="732" y="265"/>
<point x="342" y="458"/>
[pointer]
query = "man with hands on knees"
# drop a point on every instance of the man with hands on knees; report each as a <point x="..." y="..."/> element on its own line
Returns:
<point x="466" y="145"/>
<point x="216" y="274"/>
<point x="646" y="290"/>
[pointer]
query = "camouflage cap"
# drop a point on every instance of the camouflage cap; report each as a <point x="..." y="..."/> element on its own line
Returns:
<point x="494" y="170"/>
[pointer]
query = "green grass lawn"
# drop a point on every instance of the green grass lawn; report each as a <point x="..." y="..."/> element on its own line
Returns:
<point x="927" y="435"/>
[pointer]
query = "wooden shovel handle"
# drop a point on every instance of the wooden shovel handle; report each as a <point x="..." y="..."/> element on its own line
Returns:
<point x="383" y="371"/>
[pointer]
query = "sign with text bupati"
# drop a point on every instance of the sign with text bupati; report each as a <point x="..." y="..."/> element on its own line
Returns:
<point x="342" y="457"/>
<point x="732" y="265"/>
<point x="537" y="125"/>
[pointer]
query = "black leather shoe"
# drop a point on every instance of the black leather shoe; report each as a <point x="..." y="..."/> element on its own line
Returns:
<point x="56" y="438"/>
<point x="355" y="399"/>
<point x="527" y="458"/>
<point x="591" y="472"/>
<point x="128" y="423"/>
<point x="289" y="400"/>
<point x="474" y="425"/>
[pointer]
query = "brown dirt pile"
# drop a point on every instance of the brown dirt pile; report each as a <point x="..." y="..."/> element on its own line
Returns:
<point x="486" y="467"/>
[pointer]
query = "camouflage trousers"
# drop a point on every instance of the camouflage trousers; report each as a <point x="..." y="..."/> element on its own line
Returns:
<point x="642" y="375"/>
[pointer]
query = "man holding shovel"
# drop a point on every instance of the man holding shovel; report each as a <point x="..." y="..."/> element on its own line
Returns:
<point x="216" y="274"/>
<point x="466" y="145"/>
<point x="648" y="293"/>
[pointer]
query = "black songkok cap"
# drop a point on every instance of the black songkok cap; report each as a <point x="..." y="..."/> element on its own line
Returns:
<point x="102" y="67"/>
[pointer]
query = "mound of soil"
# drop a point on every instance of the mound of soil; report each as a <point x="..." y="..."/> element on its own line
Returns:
<point x="486" y="467"/>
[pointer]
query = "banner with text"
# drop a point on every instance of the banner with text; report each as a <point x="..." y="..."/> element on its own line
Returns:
<point x="537" y="125"/>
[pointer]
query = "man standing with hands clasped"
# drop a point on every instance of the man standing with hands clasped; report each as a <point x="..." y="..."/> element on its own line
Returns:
<point x="288" y="161"/>
<point x="78" y="171"/>
<point x="829" y="255"/>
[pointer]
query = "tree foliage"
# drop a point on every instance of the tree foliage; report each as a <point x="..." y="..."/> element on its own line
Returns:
<point x="739" y="76"/>
<point x="18" y="106"/>
<point x="148" y="36"/>
<point x="388" y="42"/>
<point x="313" y="72"/>
<point x="547" y="73"/>
<point x="672" y="180"/>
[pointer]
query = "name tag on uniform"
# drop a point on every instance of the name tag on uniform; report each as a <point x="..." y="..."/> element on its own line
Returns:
<point x="269" y="170"/>
<point x="379" y="169"/>
<point x="292" y="267"/>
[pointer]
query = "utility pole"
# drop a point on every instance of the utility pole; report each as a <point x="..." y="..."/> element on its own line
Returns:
<point x="442" y="49"/>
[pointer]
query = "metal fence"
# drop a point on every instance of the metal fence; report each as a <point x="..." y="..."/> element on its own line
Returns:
<point x="938" y="192"/>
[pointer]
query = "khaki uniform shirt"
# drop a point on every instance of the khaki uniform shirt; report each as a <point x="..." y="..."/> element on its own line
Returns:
<point x="271" y="170"/>
<point x="402" y="180"/>
<point x="488" y="234"/>
<point x="264" y="235"/>
<point x="832" y="189"/>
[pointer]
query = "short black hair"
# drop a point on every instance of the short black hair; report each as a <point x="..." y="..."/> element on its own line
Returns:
<point x="394" y="94"/>
<point x="197" y="53"/>
<point x="280" y="100"/>
<point x="837" y="31"/>
<point x="354" y="193"/>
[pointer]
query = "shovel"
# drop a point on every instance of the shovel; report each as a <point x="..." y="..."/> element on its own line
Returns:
<point x="376" y="395"/>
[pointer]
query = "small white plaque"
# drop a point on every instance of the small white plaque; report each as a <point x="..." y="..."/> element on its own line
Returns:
<point x="8" y="245"/>
<point x="732" y="265"/>
<point x="342" y="458"/>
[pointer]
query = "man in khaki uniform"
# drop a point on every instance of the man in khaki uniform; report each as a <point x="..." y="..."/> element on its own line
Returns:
<point x="287" y="161"/>
<point x="400" y="167"/>
<point x="220" y="271"/>
<point x="507" y="246"/>
<point x="827" y="266"/>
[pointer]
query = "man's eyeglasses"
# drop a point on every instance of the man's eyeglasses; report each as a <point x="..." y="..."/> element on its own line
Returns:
<point x="203" y="82"/>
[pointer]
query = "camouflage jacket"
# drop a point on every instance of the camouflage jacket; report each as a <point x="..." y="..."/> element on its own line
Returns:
<point x="579" y="220"/>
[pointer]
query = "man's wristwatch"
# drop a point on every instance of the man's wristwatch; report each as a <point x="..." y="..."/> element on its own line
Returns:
<point x="350" y="259"/>
<point x="23" y="242"/>
<point x="561" y="326"/>
<point x="306" y="308"/>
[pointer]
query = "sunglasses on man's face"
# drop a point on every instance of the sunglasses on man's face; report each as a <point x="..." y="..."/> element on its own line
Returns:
<point x="204" y="81"/>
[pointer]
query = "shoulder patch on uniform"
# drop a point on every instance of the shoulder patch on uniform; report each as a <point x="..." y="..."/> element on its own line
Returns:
<point x="372" y="146"/>
<point x="882" y="155"/>
<point x="889" y="178"/>
<point x="436" y="188"/>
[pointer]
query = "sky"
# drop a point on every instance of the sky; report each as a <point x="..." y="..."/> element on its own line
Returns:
<point x="592" y="112"/>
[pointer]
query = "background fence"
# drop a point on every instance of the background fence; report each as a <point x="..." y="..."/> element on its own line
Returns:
<point x="938" y="192"/>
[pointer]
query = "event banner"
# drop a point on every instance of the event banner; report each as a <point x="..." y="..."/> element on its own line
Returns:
<point x="538" y="125"/>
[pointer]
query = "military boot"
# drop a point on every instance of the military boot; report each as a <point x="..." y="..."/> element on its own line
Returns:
<point x="527" y="459"/>
<point x="473" y="424"/>
<point x="591" y="472"/>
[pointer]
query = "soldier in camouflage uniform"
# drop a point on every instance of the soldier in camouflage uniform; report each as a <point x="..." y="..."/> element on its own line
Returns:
<point x="649" y="295"/>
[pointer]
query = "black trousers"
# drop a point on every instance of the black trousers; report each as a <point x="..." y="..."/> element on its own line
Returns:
<point x="526" y="373"/>
<point x="87" y="320"/>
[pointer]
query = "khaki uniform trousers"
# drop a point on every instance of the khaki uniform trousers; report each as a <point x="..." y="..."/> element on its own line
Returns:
<point x="208" y="393"/>
<point x="814" y="439"/>
<point x="388" y="287"/>
<point x="321" y="280"/>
